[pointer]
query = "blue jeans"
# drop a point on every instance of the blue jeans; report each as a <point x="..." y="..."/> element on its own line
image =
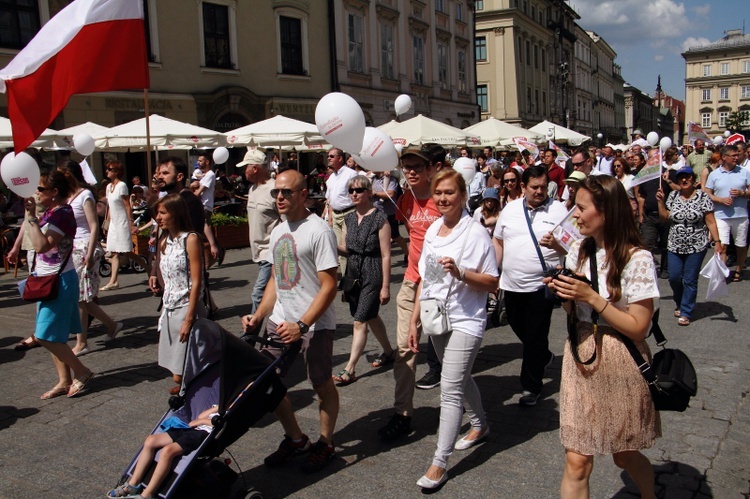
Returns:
<point x="683" y="279"/>
<point x="264" y="275"/>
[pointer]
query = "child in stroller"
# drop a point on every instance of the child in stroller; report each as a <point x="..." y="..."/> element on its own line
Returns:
<point x="174" y="442"/>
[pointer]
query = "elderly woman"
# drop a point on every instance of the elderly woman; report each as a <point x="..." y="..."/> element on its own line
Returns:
<point x="457" y="266"/>
<point x="367" y="235"/>
<point x="691" y="213"/>
<point x="52" y="238"/>
<point x="605" y="405"/>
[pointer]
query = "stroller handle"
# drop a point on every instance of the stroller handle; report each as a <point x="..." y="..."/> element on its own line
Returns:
<point x="254" y="338"/>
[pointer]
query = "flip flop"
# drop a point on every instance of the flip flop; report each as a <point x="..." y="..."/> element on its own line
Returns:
<point x="683" y="321"/>
<point x="26" y="344"/>
<point x="677" y="312"/>
<point x="79" y="385"/>
<point x="55" y="392"/>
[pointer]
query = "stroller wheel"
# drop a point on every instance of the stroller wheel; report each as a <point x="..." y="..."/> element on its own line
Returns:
<point x="138" y="267"/>
<point x="503" y="320"/>
<point x="253" y="494"/>
<point x="105" y="268"/>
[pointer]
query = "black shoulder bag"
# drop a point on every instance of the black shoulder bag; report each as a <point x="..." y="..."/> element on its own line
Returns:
<point x="671" y="376"/>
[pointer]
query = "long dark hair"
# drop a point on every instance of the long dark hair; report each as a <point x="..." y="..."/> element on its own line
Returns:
<point x="621" y="235"/>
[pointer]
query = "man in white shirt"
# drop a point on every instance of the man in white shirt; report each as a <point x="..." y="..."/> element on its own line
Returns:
<point x="520" y="255"/>
<point x="299" y="298"/>
<point x="207" y="183"/>
<point x="604" y="163"/>
<point x="338" y="202"/>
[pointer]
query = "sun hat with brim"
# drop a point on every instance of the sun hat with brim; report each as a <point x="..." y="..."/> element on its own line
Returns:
<point x="575" y="178"/>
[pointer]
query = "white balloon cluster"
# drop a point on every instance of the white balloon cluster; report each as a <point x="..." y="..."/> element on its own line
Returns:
<point x="341" y="122"/>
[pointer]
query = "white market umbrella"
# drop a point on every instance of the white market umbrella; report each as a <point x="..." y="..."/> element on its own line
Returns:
<point x="165" y="134"/>
<point x="493" y="132"/>
<point x="6" y="136"/>
<point x="385" y="127"/>
<point x="276" y="132"/>
<point x="421" y="130"/>
<point x="562" y="134"/>
<point x="64" y="139"/>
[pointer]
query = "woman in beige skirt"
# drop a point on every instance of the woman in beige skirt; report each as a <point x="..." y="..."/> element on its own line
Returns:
<point x="605" y="405"/>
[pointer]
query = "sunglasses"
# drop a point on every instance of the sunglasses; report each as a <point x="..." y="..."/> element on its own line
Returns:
<point x="358" y="190"/>
<point x="413" y="168"/>
<point x="509" y="180"/>
<point x="285" y="193"/>
<point x="110" y="169"/>
<point x="577" y="165"/>
<point x="333" y="156"/>
<point x="41" y="188"/>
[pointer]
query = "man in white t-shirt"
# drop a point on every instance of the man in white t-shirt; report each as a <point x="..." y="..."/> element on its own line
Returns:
<point x="299" y="298"/>
<point x="604" y="162"/>
<point x="529" y="311"/>
<point x="207" y="183"/>
<point x="262" y="218"/>
<point x="338" y="202"/>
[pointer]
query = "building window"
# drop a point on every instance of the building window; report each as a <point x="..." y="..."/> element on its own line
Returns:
<point x="418" y="46"/>
<point x="440" y="5"/>
<point x="724" y="68"/>
<point x="19" y="22"/>
<point x="216" y="36"/>
<point x="290" y="34"/>
<point x="462" y="79"/>
<point x="386" y="51"/>
<point x="706" y="120"/>
<point x="480" y="48"/>
<point x="544" y="103"/>
<point x="706" y="70"/>
<point x="479" y="4"/>
<point x="544" y="61"/>
<point x="745" y="92"/>
<point x="746" y="67"/>
<point x="443" y="66"/>
<point x="459" y="11"/>
<point x="706" y="94"/>
<point x="356" y="48"/>
<point x="520" y="51"/>
<point x="537" y="109"/>
<point x="528" y="53"/>
<point x="724" y="93"/>
<point x="482" y="100"/>
<point x="536" y="57"/>
<point x="723" y="116"/>
<point x="528" y="99"/>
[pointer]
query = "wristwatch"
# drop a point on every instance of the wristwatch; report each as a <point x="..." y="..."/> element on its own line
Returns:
<point x="303" y="328"/>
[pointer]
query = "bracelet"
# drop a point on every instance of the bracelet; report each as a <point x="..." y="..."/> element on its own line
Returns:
<point x="461" y="274"/>
<point x="33" y="220"/>
<point x="606" y="304"/>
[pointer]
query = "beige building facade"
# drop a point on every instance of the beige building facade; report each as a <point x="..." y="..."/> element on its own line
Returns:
<point x="717" y="81"/>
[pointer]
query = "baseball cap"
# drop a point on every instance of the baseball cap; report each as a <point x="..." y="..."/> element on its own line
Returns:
<point x="490" y="193"/>
<point x="253" y="157"/>
<point x="575" y="177"/>
<point x="415" y="151"/>
<point x="685" y="170"/>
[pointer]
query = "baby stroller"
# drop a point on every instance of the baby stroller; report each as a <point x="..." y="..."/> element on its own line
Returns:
<point x="222" y="369"/>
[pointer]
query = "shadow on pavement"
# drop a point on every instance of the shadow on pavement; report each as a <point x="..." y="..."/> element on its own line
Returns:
<point x="9" y="415"/>
<point x="672" y="479"/>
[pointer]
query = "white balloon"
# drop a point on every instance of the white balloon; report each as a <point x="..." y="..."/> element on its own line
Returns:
<point x="665" y="143"/>
<point x="341" y="121"/>
<point x="652" y="138"/>
<point x="465" y="166"/>
<point x="84" y="144"/>
<point x="20" y="173"/>
<point x="402" y="104"/>
<point x="727" y="133"/>
<point x="718" y="140"/>
<point x="378" y="152"/>
<point x="221" y="155"/>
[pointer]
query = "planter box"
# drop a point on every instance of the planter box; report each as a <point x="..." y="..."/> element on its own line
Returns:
<point x="232" y="236"/>
<point x="140" y="245"/>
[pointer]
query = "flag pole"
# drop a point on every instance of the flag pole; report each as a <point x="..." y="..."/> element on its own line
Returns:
<point x="148" y="138"/>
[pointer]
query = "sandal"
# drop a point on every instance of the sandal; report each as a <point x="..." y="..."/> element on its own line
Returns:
<point x="677" y="312"/>
<point x="383" y="359"/>
<point x="737" y="277"/>
<point x="55" y="392"/>
<point x="79" y="385"/>
<point x="683" y="321"/>
<point x="27" y="344"/>
<point x="344" y="378"/>
<point x="126" y="490"/>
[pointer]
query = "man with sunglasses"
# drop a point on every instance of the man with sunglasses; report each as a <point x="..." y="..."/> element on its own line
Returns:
<point x="262" y="218"/>
<point x="338" y="202"/>
<point x="299" y="298"/>
<point x="417" y="210"/>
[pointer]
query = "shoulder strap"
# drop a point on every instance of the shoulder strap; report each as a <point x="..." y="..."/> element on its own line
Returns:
<point x="533" y="237"/>
<point x="458" y="260"/>
<point x="572" y="333"/>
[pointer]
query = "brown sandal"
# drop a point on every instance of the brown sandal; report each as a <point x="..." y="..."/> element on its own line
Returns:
<point x="27" y="344"/>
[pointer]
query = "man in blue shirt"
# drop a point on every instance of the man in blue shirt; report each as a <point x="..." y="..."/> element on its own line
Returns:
<point x="728" y="187"/>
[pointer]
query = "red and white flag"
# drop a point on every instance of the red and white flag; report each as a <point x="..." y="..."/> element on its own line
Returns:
<point x="695" y="132"/>
<point x="89" y="46"/>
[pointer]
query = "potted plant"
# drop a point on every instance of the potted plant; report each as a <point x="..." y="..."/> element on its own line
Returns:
<point x="230" y="231"/>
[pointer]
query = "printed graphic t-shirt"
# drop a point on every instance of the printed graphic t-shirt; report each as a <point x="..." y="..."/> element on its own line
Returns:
<point x="418" y="214"/>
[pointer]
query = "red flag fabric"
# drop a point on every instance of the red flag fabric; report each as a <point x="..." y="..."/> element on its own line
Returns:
<point x="89" y="46"/>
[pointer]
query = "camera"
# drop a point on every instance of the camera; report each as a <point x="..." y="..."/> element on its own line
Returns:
<point x="567" y="273"/>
